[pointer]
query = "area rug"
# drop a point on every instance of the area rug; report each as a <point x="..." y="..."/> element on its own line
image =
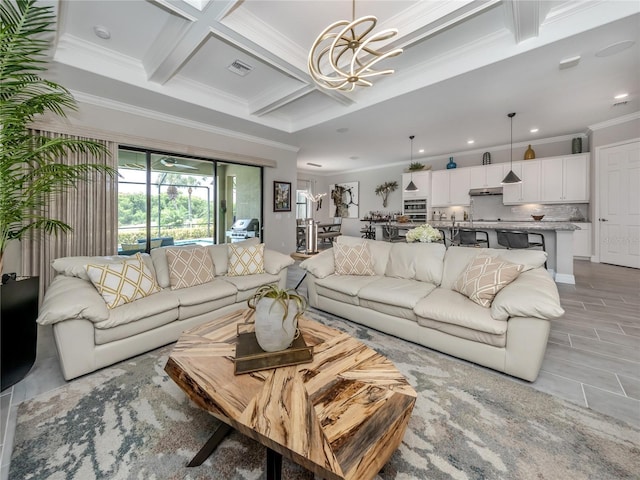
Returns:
<point x="130" y="421"/>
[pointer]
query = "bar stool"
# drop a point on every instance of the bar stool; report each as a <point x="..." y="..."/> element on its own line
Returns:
<point x="391" y="234"/>
<point x="469" y="237"/>
<point x="514" y="239"/>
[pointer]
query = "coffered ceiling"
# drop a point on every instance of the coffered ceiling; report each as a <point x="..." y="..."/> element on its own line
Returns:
<point x="466" y="64"/>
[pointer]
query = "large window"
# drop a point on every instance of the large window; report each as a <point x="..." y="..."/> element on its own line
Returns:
<point x="165" y="199"/>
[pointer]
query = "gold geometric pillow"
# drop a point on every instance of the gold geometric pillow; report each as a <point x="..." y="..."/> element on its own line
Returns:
<point x="189" y="267"/>
<point x="121" y="283"/>
<point x="484" y="277"/>
<point x="245" y="260"/>
<point x="352" y="260"/>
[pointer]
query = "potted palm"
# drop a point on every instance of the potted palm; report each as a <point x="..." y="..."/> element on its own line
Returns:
<point x="30" y="173"/>
<point x="276" y="316"/>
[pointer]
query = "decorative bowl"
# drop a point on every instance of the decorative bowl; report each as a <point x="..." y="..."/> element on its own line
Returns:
<point x="537" y="218"/>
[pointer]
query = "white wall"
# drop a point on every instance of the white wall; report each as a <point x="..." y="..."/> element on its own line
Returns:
<point x="192" y="139"/>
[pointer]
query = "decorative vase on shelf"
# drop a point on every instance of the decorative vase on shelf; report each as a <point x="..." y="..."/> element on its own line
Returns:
<point x="576" y="145"/>
<point x="486" y="158"/>
<point x="529" y="154"/>
<point x="451" y="163"/>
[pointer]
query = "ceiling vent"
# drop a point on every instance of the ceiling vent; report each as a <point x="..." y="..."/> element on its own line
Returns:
<point x="619" y="104"/>
<point x="240" y="68"/>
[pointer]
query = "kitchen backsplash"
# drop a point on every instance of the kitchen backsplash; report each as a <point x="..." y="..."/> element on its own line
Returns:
<point x="492" y="208"/>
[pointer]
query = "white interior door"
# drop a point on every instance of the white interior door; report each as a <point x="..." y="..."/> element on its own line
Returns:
<point x="619" y="201"/>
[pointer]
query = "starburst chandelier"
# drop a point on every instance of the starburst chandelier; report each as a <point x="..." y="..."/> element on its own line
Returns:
<point x="343" y="37"/>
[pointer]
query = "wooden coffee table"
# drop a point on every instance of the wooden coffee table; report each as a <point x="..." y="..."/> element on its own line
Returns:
<point x="341" y="416"/>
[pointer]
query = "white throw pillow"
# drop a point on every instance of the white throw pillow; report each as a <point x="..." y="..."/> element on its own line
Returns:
<point x="189" y="267"/>
<point x="245" y="260"/>
<point x="484" y="277"/>
<point x="352" y="260"/>
<point x="124" y="282"/>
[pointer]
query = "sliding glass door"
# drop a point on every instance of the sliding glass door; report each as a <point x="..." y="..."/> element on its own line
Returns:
<point x="165" y="199"/>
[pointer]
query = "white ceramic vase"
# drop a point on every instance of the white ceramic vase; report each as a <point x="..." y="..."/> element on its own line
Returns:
<point x="272" y="333"/>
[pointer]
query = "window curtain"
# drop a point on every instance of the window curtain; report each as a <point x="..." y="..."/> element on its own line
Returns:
<point x="91" y="210"/>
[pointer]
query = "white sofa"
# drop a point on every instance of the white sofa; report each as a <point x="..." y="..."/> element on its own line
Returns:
<point x="411" y="297"/>
<point x="90" y="336"/>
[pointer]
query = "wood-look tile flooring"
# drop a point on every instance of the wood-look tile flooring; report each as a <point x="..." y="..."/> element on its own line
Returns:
<point x="592" y="358"/>
<point x="593" y="353"/>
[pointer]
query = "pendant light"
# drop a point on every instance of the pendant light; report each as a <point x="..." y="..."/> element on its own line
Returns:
<point x="412" y="186"/>
<point x="511" y="177"/>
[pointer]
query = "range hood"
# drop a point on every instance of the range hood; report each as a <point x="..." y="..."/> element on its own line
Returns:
<point x="482" y="192"/>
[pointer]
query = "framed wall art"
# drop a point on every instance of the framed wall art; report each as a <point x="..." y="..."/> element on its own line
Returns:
<point x="281" y="196"/>
<point x="344" y="200"/>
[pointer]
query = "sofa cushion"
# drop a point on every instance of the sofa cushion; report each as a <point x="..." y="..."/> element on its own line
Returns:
<point x="207" y="292"/>
<point x="124" y="282"/>
<point x="484" y="277"/>
<point x="75" y="266"/>
<point x="532" y="294"/>
<point x="161" y="265"/>
<point x="245" y="260"/>
<point x="220" y="254"/>
<point x="189" y="267"/>
<point x="159" y="303"/>
<point x="420" y="261"/>
<point x="343" y="288"/>
<point x="393" y="310"/>
<point x="379" y="250"/>
<point x="352" y="259"/>
<point x="321" y="265"/>
<point x="452" y="307"/>
<point x="247" y="284"/>
<point x="395" y="291"/>
<point x="493" y="339"/>
<point x="126" y="330"/>
<point x="87" y="302"/>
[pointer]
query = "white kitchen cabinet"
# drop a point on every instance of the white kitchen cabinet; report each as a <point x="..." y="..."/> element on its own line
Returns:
<point x="529" y="190"/>
<point x="450" y="187"/>
<point x="421" y="179"/>
<point x="484" y="176"/>
<point x="565" y="179"/>
<point x="582" y="240"/>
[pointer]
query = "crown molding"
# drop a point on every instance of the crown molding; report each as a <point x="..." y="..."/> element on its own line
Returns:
<point x="143" y="112"/>
<point x="614" y="121"/>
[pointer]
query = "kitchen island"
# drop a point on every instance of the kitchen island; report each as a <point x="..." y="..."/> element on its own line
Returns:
<point x="558" y="238"/>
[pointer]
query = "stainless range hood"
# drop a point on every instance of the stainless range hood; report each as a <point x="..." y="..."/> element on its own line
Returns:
<point x="483" y="192"/>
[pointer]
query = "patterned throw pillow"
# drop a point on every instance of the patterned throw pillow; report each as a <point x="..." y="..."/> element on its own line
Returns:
<point x="484" y="277"/>
<point x="245" y="260"/>
<point x="189" y="267"/>
<point x="124" y="282"/>
<point x="352" y="260"/>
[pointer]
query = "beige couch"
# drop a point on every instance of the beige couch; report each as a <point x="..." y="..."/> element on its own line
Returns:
<point x="410" y="296"/>
<point x="90" y="336"/>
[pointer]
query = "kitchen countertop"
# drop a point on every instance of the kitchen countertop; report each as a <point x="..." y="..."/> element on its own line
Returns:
<point x="506" y="225"/>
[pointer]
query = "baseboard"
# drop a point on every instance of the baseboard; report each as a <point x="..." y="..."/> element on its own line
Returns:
<point x="565" y="278"/>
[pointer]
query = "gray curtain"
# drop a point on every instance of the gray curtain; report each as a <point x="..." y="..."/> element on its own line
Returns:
<point x="91" y="210"/>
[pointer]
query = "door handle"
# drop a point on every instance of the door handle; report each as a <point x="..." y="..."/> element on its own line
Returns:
<point x="603" y="219"/>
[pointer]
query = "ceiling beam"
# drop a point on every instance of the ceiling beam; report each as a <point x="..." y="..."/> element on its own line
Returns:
<point x="524" y="18"/>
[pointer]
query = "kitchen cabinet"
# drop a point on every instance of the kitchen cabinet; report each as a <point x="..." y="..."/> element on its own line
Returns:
<point x="421" y="179"/>
<point x="529" y="190"/>
<point x="582" y="240"/>
<point x="565" y="179"/>
<point x="484" y="176"/>
<point x="450" y="187"/>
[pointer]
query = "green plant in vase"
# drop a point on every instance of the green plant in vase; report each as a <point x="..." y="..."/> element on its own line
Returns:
<point x="30" y="171"/>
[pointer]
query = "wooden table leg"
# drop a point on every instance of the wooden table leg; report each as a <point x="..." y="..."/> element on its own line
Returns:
<point x="274" y="465"/>
<point x="208" y="448"/>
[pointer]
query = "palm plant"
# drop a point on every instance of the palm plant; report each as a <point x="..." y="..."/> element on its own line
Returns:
<point x="30" y="174"/>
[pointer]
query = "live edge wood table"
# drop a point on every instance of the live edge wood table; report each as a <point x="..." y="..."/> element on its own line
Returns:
<point x="341" y="416"/>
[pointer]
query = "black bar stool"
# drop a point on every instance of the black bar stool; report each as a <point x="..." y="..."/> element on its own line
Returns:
<point x="514" y="239"/>
<point x="469" y="237"/>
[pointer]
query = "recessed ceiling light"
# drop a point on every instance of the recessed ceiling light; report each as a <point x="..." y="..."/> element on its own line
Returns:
<point x="621" y="96"/>
<point x="569" y="62"/>
<point x="534" y="130"/>
<point x="614" y="48"/>
<point x="471" y="142"/>
<point x="421" y="150"/>
<point x="102" y="32"/>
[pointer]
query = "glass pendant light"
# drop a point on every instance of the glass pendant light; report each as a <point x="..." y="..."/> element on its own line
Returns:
<point x="511" y="177"/>
<point x="412" y="186"/>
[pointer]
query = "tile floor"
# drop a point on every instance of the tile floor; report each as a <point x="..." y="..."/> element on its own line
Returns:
<point x="592" y="358"/>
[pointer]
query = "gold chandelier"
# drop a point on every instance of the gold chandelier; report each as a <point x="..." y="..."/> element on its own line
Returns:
<point x="342" y="37"/>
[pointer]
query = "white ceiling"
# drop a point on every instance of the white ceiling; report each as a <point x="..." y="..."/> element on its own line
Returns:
<point x="465" y="65"/>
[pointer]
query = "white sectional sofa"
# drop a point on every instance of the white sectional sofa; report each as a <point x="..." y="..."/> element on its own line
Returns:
<point x="89" y="335"/>
<point x="410" y="296"/>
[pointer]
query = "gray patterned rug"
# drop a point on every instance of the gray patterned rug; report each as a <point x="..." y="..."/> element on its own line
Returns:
<point x="130" y="421"/>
